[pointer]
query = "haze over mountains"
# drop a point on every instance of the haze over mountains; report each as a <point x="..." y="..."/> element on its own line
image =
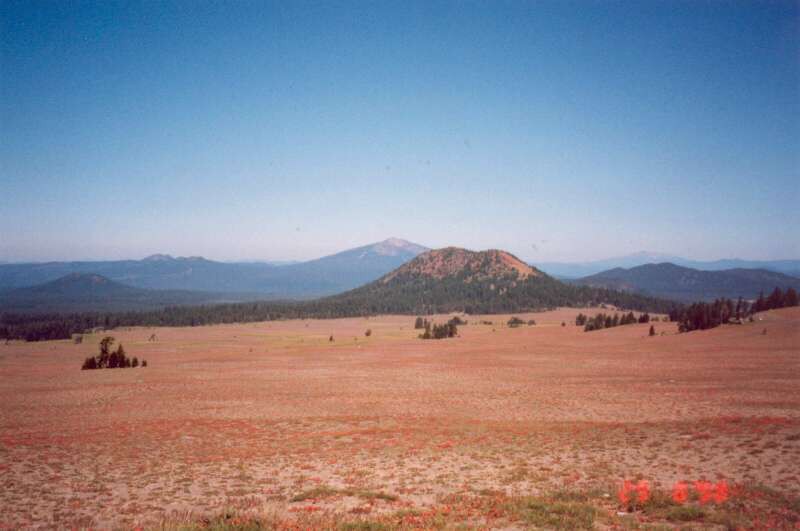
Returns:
<point x="684" y="284"/>
<point x="582" y="269"/>
<point x="162" y="280"/>
<point x="314" y="278"/>
<point x="88" y="292"/>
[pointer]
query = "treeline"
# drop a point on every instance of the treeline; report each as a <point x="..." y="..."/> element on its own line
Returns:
<point x="705" y="315"/>
<point x="603" y="320"/>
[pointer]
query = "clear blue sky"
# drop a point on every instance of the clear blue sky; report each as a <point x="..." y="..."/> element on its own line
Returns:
<point x="245" y="130"/>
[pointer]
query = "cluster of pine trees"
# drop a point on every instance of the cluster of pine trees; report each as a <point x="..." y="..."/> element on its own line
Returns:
<point x="439" y="331"/>
<point x="516" y="321"/>
<point x="603" y="320"/>
<point x="705" y="315"/>
<point x="776" y="299"/>
<point x="108" y="359"/>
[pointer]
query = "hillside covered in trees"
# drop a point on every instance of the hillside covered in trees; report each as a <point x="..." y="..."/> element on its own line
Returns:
<point x="439" y="281"/>
<point x="705" y="315"/>
<point x="685" y="284"/>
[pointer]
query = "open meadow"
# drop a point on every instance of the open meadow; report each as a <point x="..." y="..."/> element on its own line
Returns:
<point x="500" y="427"/>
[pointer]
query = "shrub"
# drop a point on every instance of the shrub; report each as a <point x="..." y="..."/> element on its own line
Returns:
<point x="652" y="330"/>
<point x="419" y="324"/>
<point x="144" y="363"/>
<point x="457" y="321"/>
<point x="515" y="321"/>
<point x="368" y="332"/>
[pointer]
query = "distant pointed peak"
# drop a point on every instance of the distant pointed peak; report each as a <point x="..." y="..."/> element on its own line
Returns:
<point x="158" y="258"/>
<point x="393" y="246"/>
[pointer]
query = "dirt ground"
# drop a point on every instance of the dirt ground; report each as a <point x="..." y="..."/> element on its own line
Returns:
<point x="275" y="419"/>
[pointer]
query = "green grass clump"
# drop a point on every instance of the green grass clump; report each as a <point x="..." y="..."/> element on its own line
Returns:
<point x="685" y="513"/>
<point x="315" y="494"/>
<point x="551" y="514"/>
<point x="363" y="526"/>
<point x="326" y="492"/>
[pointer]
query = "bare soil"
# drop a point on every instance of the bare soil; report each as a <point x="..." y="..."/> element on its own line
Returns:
<point x="275" y="419"/>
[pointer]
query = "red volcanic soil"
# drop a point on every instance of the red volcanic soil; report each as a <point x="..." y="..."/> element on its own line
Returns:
<point x="275" y="419"/>
<point x="441" y="263"/>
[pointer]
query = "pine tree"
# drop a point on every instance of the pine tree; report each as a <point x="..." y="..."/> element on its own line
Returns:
<point x="760" y="304"/>
<point x="775" y="299"/>
<point x="790" y="299"/>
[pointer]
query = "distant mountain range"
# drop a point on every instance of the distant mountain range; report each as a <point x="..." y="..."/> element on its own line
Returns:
<point x="84" y="292"/>
<point x="323" y="276"/>
<point x="583" y="269"/>
<point x="685" y="284"/>
<point x="436" y="281"/>
<point x="389" y="276"/>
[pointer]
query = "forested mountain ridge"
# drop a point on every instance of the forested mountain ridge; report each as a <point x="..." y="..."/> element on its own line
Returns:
<point x="685" y="284"/>
<point x="78" y="292"/>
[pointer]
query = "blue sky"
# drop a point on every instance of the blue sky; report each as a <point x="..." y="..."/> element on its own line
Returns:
<point x="290" y="130"/>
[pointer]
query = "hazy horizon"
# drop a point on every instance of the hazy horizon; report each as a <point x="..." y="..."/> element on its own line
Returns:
<point x="557" y="131"/>
<point x="657" y="257"/>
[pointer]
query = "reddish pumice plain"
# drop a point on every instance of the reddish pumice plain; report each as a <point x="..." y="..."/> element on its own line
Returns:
<point x="274" y="424"/>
